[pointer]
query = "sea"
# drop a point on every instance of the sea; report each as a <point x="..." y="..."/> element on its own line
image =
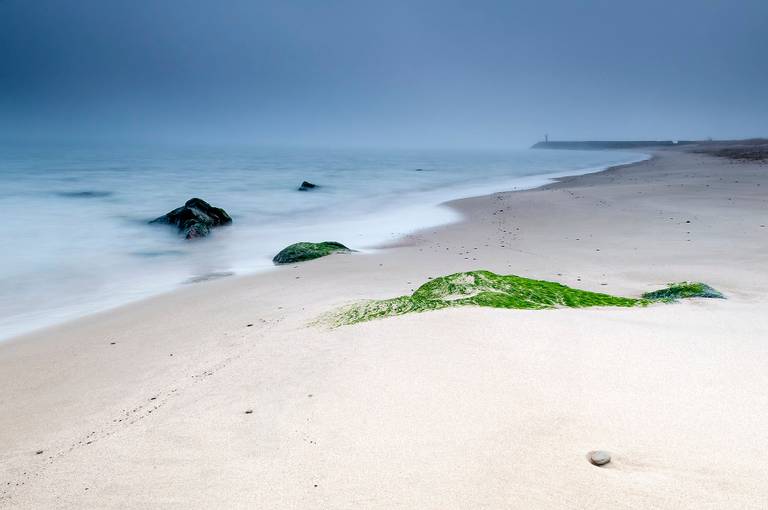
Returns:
<point x="76" y="237"/>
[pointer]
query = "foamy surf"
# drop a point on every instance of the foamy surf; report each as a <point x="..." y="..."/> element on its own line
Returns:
<point x="81" y="242"/>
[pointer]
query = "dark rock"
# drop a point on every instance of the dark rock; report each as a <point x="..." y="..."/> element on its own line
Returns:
<point x="307" y="251"/>
<point x="306" y="186"/>
<point x="195" y="218"/>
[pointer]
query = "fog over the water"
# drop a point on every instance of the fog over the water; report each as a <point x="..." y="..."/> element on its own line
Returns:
<point x="434" y="73"/>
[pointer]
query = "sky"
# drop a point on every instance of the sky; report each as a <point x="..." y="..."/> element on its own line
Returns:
<point x="387" y="73"/>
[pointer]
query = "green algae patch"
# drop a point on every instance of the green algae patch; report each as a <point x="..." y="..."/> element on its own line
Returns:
<point x="480" y="288"/>
<point x="484" y="288"/>
<point x="683" y="290"/>
<point x="300" y="252"/>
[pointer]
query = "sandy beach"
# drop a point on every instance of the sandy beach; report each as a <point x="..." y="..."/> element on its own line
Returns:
<point x="226" y="395"/>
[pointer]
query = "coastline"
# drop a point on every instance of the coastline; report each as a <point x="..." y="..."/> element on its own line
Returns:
<point x="429" y="212"/>
<point x="433" y="410"/>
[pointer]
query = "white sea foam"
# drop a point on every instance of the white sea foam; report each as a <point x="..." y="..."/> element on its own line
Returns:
<point x="77" y="238"/>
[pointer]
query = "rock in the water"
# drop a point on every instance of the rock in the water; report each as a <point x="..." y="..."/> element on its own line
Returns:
<point x="306" y="186"/>
<point x="307" y="251"/>
<point x="599" y="457"/>
<point x="195" y="218"/>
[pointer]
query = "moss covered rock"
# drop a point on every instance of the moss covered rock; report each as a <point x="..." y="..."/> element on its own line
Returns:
<point x="683" y="290"/>
<point x="484" y="288"/>
<point x="307" y="251"/>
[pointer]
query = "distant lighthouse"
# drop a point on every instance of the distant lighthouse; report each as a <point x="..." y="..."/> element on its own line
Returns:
<point x="546" y="138"/>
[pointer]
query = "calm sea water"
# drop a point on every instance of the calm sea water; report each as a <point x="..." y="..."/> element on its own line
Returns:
<point x="75" y="218"/>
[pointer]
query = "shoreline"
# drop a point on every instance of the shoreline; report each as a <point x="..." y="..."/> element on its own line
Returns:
<point x="449" y="217"/>
<point x="226" y="387"/>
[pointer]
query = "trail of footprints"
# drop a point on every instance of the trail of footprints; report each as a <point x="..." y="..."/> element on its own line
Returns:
<point x="128" y="417"/>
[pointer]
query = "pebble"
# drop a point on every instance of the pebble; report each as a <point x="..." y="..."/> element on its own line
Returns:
<point x="599" y="457"/>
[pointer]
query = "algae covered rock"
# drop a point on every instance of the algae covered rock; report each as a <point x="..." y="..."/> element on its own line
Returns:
<point x="684" y="290"/>
<point x="481" y="288"/>
<point x="195" y="218"/>
<point x="300" y="252"/>
<point x="484" y="288"/>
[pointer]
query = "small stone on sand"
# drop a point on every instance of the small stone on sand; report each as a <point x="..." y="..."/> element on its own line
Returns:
<point x="248" y="411"/>
<point x="599" y="457"/>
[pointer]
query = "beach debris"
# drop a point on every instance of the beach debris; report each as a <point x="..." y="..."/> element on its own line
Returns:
<point x="484" y="288"/>
<point x="299" y="252"/>
<point x="39" y="452"/>
<point x="195" y="218"/>
<point x="249" y="411"/>
<point x="306" y="186"/>
<point x="599" y="457"/>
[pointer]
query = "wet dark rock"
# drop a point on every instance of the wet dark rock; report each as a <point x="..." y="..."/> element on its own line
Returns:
<point x="300" y="252"/>
<point x="195" y="218"/>
<point x="306" y="186"/>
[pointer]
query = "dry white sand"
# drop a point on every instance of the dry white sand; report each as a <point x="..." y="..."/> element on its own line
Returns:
<point x="460" y="408"/>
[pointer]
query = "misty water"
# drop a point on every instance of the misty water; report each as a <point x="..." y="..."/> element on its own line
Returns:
<point x="75" y="218"/>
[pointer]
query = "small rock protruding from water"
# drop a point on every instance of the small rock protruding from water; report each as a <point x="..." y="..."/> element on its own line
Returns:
<point x="306" y="186"/>
<point x="195" y="218"/>
<point x="599" y="457"/>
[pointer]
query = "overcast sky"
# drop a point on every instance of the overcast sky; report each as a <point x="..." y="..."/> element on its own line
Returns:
<point x="384" y="73"/>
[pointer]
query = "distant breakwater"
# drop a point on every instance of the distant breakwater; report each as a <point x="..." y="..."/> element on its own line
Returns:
<point x="610" y="144"/>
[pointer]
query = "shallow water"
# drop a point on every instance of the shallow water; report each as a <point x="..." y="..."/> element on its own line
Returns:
<point x="77" y="238"/>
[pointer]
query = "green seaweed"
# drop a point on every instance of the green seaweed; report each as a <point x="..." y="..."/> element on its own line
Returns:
<point x="683" y="290"/>
<point x="300" y="252"/>
<point x="484" y="288"/>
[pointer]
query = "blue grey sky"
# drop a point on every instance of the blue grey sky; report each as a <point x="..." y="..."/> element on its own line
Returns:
<point x="385" y="73"/>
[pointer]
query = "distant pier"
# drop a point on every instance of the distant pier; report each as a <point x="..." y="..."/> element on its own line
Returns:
<point x="609" y="144"/>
